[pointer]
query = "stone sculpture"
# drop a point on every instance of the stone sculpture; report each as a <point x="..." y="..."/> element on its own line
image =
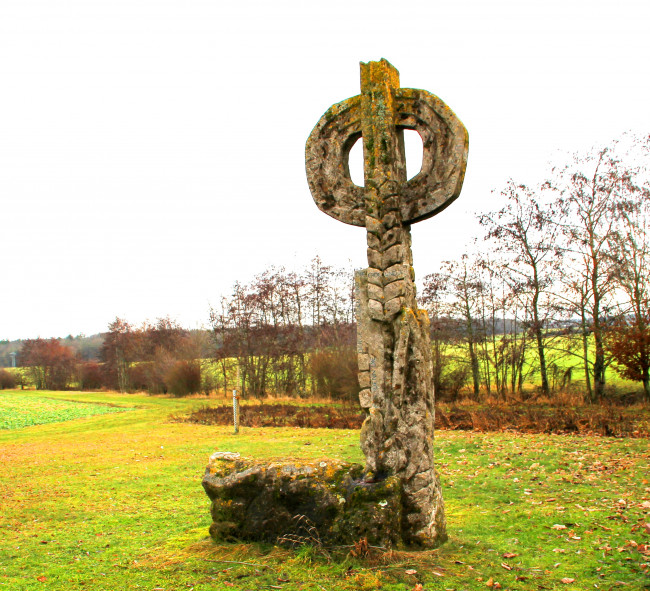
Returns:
<point x="395" y="498"/>
<point x="393" y="344"/>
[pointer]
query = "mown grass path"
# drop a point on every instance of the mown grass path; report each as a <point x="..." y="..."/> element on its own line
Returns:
<point x="114" y="502"/>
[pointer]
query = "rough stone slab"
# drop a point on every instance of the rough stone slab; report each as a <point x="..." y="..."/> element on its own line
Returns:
<point x="395" y="273"/>
<point x="375" y="276"/>
<point x="375" y="310"/>
<point x="365" y="398"/>
<point x="391" y="201"/>
<point x="364" y="379"/>
<point x="364" y="362"/>
<point x="390" y="220"/>
<point x="391" y="237"/>
<point x="393" y="255"/>
<point x="395" y="289"/>
<point x="269" y="502"/>
<point x="394" y="306"/>
<point x="375" y="292"/>
<point x="373" y="241"/>
<point x="375" y="259"/>
<point x="373" y="225"/>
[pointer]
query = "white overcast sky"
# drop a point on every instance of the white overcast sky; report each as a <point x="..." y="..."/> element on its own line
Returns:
<point x="152" y="151"/>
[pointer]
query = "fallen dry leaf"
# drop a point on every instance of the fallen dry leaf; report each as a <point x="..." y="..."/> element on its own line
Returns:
<point x="506" y="566"/>
<point x="418" y="587"/>
<point x="558" y="526"/>
<point x="567" y="580"/>
<point x="41" y="579"/>
<point x="510" y="555"/>
<point x="411" y="571"/>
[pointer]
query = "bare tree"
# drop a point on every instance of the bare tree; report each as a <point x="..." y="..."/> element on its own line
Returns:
<point x="445" y="334"/>
<point x="524" y="234"/>
<point x="274" y="325"/>
<point x="460" y="284"/>
<point x="590" y="188"/>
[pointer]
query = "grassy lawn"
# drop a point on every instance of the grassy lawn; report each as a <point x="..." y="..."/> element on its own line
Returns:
<point x="17" y="411"/>
<point x="114" y="501"/>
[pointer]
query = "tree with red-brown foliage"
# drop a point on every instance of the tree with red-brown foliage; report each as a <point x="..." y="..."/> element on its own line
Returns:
<point x="158" y="357"/>
<point x="628" y="343"/>
<point x="51" y="365"/>
<point x="628" y="339"/>
<point x="91" y="376"/>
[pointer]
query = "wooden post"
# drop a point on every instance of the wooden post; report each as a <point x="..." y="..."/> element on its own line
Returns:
<point x="235" y="404"/>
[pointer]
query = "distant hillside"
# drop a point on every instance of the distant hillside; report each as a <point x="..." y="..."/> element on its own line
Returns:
<point x="88" y="348"/>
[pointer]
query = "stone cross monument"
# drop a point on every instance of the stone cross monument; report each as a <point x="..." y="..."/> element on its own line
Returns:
<point x="394" y="352"/>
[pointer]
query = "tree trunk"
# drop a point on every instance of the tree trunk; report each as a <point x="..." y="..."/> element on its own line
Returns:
<point x="646" y="384"/>
<point x="585" y="356"/>
<point x="475" y="373"/>
<point x="599" y="359"/>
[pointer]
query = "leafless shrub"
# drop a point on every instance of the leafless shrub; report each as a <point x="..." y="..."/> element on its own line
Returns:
<point x="183" y="378"/>
<point x="7" y="380"/>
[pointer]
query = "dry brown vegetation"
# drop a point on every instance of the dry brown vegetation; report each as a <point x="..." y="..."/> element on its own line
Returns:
<point x="279" y="415"/>
<point x="603" y="420"/>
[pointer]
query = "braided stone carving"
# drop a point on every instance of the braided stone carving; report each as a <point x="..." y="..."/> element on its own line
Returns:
<point x="394" y="353"/>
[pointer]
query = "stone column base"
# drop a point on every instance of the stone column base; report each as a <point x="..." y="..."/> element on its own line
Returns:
<point x="324" y="502"/>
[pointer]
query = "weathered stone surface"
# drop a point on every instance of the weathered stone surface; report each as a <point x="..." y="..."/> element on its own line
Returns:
<point x="395" y="289"/>
<point x="393" y="334"/>
<point x="365" y="396"/>
<point x="268" y="502"/>
<point x="444" y="142"/>
<point x="395" y="273"/>
<point x="364" y="379"/>
<point x="375" y="276"/>
<point x="393" y="307"/>
<point x="375" y="292"/>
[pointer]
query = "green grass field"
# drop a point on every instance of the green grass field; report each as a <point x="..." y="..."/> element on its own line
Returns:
<point x="562" y="356"/>
<point x="18" y="411"/>
<point x="114" y="501"/>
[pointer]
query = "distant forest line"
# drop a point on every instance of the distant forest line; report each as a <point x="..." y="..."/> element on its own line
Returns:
<point x="556" y="286"/>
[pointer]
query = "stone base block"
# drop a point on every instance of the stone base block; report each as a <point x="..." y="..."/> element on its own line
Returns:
<point x="325" y="501"/>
